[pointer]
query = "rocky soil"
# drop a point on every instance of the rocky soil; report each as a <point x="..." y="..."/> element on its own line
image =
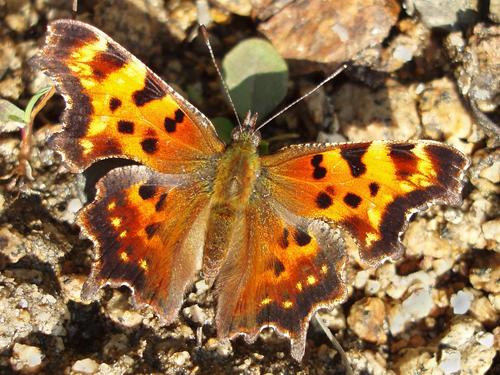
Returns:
<point x="420" y="69"/>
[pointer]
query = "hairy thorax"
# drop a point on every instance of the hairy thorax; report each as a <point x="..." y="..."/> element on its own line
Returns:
<point x="234" y="183"/>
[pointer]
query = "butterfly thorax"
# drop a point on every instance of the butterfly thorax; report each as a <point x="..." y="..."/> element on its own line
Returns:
<point x="235" y="179"/>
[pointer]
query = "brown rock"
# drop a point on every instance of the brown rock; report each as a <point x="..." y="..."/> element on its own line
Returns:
<point x="443" y="114"/>
<point x="484" y="311"/>
<point x="485" y="275"/>
<point x="239" y="7"/>
<point x="330" y="31"/>
<point x="366" y="319"/>
<point x="477" y="70"/>
<point x="140" y="25"/>
<point x="387" y="113"/>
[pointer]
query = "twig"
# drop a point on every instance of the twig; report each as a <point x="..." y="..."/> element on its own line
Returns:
<point x="336" y="345"/>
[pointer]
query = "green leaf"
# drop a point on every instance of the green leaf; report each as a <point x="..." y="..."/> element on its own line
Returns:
<point x="11" y="117"/>
<point x="256" y="76"/>
<point x="224" y="128"/>
<point x="31" y="104"/>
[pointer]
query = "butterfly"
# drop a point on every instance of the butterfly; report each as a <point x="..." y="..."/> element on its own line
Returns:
<point x="265" y="231"/>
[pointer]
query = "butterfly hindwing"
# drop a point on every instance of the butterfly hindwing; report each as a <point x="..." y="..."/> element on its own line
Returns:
<point x="148" y="229"/>
<point x="368" y="188"/>
<point x="117" y="107"/>
<point x="282" y="270"/>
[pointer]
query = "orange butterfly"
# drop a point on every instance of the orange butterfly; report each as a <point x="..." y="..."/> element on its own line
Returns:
<point x="266" y="230"/>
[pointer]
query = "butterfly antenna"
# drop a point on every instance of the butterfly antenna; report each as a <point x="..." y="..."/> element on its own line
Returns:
<point x="329" y="78"/>
<point x="204" y="32"/>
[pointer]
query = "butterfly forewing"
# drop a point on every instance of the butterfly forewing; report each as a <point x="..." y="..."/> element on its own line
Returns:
<point x="368" y="188"/>
<point x="117" y="107"/>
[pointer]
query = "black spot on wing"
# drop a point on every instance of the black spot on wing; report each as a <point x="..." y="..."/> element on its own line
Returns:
<point x="147" y="191"/>
<point x="374" y="188"/>
<point x="149" y="145"/>
<point x="114" y="104"/>
<point x="151" y="229"/>
<point x="107" y="62"/>
<point x="161" y="202"/>
<point x="179" y="116"/>
<point x="316" y="160"/>
<point x="353" y="154"/>
<point x="301" y="238"/>
<point x="403" y="158"/>
<point x="278" y="267"/>
<point x="352" y="200"/>
<point x="319" y="172"/>
<point x="150" y="92"/>
<point x="126" y="127"/>
<point x="283" y="240"/>
<point x="170" y="125"/>
<point x="323" y="200"/>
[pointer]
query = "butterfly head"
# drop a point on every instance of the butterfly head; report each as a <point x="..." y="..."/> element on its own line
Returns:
<point x="247" y="132"/>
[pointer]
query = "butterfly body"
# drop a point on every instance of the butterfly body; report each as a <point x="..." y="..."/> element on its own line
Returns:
<point x="237" y="173"/>
<point x="267" y="231"/>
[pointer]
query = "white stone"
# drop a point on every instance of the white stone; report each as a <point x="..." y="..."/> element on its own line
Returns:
<point x="486" y="339"/>
<point x="403" y="53"/>
<point x="196" y="314"/>
<point x="180" y="358"/>
<point x="450" y="361"/>
<point x="461" y="302"/>
<point x="85" y="366"/>
<point x="417" y="306"/>
<point x="372" y="287"/>
<point x="201" y="286"/>
<point x="361" y="279"/>
<point x="491" y="230"/>
<point x="25" y="358"/>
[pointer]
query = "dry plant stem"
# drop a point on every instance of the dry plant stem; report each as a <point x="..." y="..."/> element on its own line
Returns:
<point x="489" y="127"/>
<point x="23" y="168"/>
<point x="336" y="345"/>
<point x="491" y="159"/>
<point x="27" y="134"/>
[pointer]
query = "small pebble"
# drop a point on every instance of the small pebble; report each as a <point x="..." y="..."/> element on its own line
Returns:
<point x="26" y="359"/>
<point x="450" y="361"/>
<point x="85" y="366"/>
<point x="180" y="358"/>
<point x="196" y="314"/>
<point x="461" y="302"/>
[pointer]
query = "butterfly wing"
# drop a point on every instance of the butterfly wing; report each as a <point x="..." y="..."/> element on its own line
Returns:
<point x="370" y="188"/>
<point x="148" y="229"/>
<point x="117" y="107"/>
<point x="290" y="260"/>
<point x="284" y="268"/>
<point x="147" y="222"/>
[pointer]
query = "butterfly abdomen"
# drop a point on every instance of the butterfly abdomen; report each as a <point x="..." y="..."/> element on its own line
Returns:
<point x="235" y="179"/>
